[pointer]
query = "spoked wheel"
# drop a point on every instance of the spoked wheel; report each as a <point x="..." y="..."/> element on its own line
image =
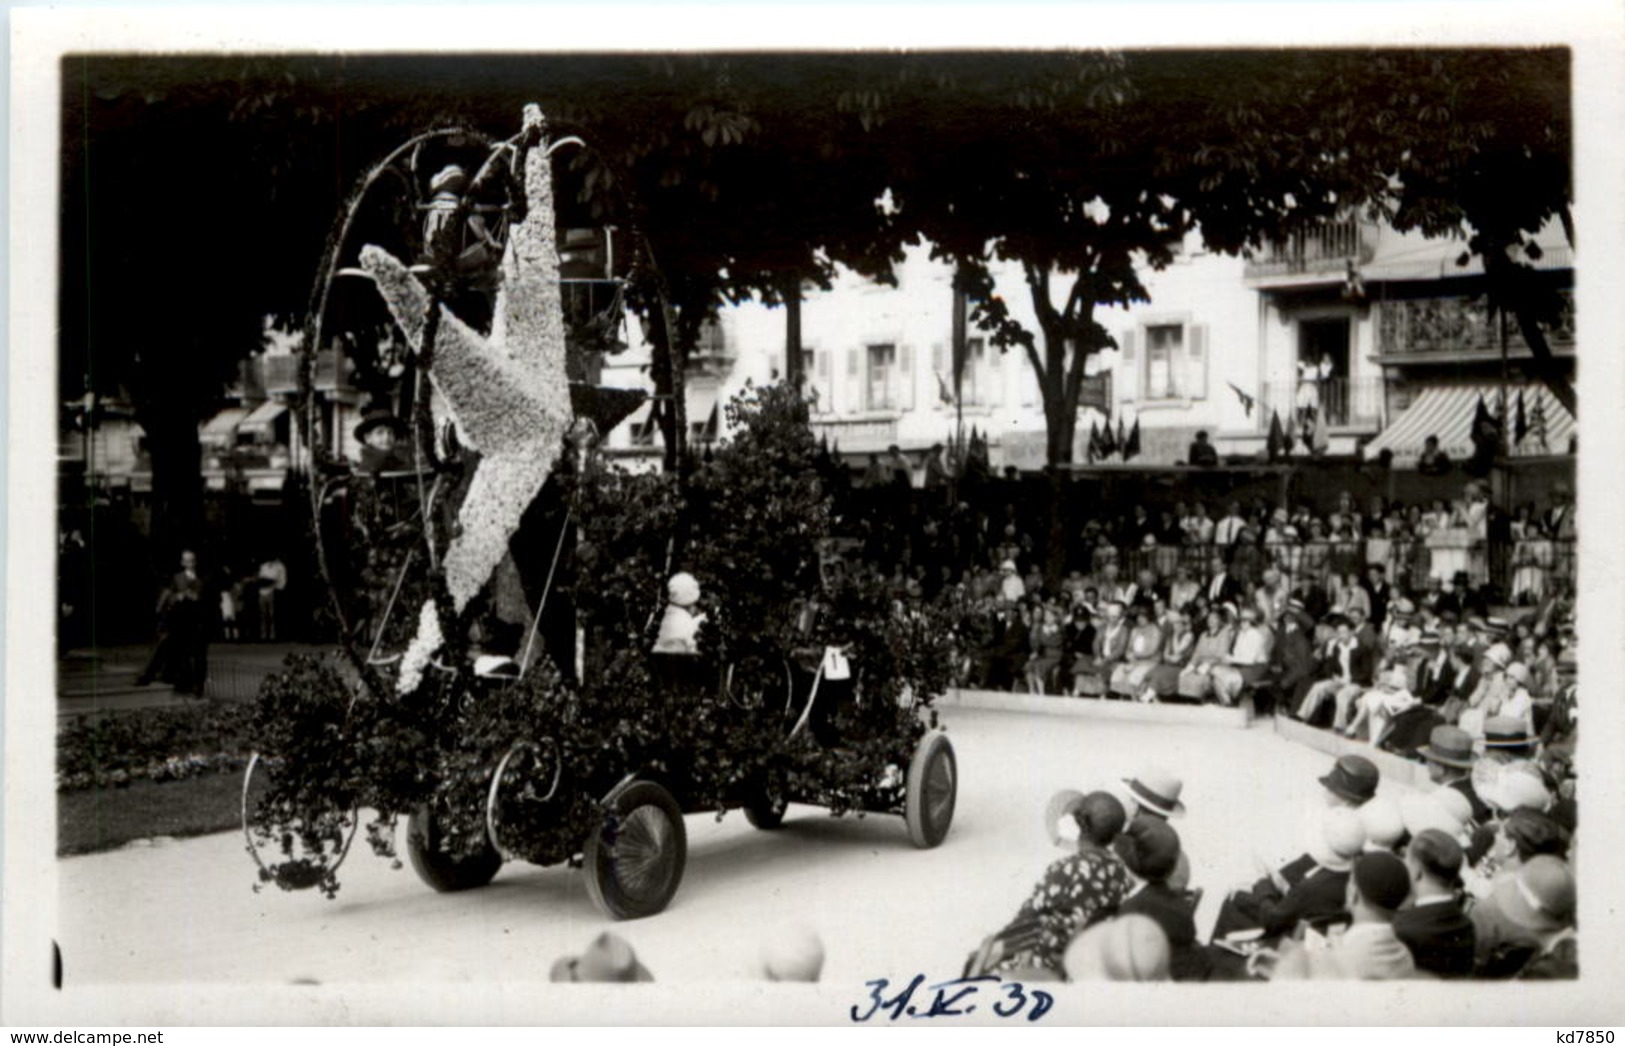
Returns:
<point x="447" y="872"/>
<point x="305" y="853"/>
<point x="933" y="787"/>
<point x="635" y="860"/>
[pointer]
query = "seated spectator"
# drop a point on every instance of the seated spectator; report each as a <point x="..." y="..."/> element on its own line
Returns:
<point x="1163" y="681"/>
<point x="1380" y="704"/>
<point x="1183" y="591"/>
<point x="1543" y="904"/>
<point x="1493" y="689"/>
<point x="1127" y="948"/>
<point x="1202" y="453"/>
<point x="1346" y="669"/>
<point x="1294" y="656"/>
<point x="1525" y="905"/>
<point x="1075" y="892"/>
<point x="1450" y="757"/>
<point x="1144" y="649"/>
<point x="1369" y="950"/>
<point x="608" y="960"/>
<point x="1434" y="673"/>
<point x="1048" y="639"/>
<point x="1248" y="661"/>
<point x="1011" y="588"/>
<point x="1091" y="674"/>
<point x="1316" y="899"/>
<point x="1435" y="928"/>
<point x="1149" y="850"/>
<point x="1212" y="647"/>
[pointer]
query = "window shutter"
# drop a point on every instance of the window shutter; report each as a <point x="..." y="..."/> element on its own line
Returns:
<point x="939" y="359"/>
<point x="1029" y="382"/>
<point x="1196" y="365"/>
<point x="905" y="377"/>
<point x="994" y="394"/>
<point x="822" y="364"/>
<point x="854" y="392"/>
<point x="1128" y="376"/>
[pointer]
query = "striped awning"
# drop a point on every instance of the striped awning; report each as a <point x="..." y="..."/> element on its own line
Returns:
<point x="263" y="417"/>
<point x="1446" y="411"/>
<point x="220" y="429"/>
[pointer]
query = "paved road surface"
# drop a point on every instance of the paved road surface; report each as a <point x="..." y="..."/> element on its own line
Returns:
<point x="184" y="911"/>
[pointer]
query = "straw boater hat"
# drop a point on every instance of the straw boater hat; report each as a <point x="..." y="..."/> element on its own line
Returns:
<point x="450" y="179"/>
<point x="1449" y="746"/>
<point x="1384" y="823"/>
<point x="1353" y="777"/>
<point x="607" y="960"/>
<point x="1127" y="948"/>
<point x="1502" y="731"/>
<point x="795" y="954"/>
<point x="1157" y="791"/>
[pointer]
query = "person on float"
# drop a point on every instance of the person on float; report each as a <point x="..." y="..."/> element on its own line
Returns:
<point x="680" y="625"/>
<point x="382" y="437"/>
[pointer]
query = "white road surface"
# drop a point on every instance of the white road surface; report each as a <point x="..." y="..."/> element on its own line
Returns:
<point x="184" y="911"/>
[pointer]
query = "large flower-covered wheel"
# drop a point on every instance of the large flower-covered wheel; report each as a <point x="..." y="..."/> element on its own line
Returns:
<point x="635" y="859"/>
<point x="932" y="789"/>
<point x="446" y="872"/>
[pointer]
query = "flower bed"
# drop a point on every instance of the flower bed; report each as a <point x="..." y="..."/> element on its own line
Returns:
<point x="157" y="744"/>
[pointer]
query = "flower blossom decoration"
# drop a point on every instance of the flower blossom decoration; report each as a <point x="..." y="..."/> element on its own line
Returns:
<point x="508" y="393"/>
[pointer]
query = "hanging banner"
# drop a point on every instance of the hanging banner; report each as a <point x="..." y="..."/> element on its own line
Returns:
<point x="1096" y="392"/>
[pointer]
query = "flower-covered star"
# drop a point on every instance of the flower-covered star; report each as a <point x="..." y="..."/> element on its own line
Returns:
<point x="508" y="393"/>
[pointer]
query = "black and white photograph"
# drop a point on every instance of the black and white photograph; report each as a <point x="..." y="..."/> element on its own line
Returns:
<point x="1060" y="519"/>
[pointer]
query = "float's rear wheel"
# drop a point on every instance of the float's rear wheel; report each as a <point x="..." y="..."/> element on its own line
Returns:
<point x="635" y="859"/>
<point x="446" y="872"/>
<point x="933" y="788"/>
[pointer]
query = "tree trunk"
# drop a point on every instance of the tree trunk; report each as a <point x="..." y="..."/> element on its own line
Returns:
<point x="1504" y="276"/>
<point x="792" y="332"/>
<point x="1060" y="425"/>
<point x="177" y="479"/>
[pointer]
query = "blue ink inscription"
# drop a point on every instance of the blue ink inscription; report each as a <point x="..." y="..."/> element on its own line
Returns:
<point x="951" y="999"/>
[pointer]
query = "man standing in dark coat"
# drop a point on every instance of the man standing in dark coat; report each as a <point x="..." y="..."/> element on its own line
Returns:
<point x="1435" y="929"/>
<point x="1295" y="656"/>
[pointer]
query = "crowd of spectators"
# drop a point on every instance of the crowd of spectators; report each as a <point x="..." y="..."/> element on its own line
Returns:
<point x="1469" y="878"/>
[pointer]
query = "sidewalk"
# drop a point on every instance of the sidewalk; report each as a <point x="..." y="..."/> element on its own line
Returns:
<point x="102" y="681"/>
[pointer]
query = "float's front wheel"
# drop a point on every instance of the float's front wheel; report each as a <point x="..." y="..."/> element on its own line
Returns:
<point x="933" y="787"/>
<point x="443" y="871"/>
<point x="635" y="859"/>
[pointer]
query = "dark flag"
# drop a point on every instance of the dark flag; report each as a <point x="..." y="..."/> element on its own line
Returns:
<point x="1094" y="442"/>
<point x="1122" y="439"/>
<point x="1278" y="444"/>
<point x="1520" y="427"/>
<point x="1108" y="445"/>
<point x="1131" y="447"/>
<point x="1246" y="400"/>
<point x="1486" y="434"/>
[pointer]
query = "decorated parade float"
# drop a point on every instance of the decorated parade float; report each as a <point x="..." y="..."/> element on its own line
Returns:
<point x="501" y="595"/>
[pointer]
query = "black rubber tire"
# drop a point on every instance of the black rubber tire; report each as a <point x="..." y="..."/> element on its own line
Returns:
<point x="446" y="873"/>
<point x="635" y="867"/>
<point x="933" y="789"/>
<point x="765" y="812"/>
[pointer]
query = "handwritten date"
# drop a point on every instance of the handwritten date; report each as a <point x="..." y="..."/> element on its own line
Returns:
<point x="920" y="1001"/>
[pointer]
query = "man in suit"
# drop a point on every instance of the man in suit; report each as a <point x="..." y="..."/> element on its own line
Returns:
<point x="1318" y="898"/>
<point x="1449" y="755"/>
<point x="1435" y="929"/>
<point x="1369" y="950"/>
<point x="1559" y="519"/>
<point x="1228" y="529"/>
<point x="1222" y="587"/>
<point x="1294" y="656"/>
<point x="1377" y="587"/>
<point x="1307" y="591"/>
<point x="1435" y="673"/>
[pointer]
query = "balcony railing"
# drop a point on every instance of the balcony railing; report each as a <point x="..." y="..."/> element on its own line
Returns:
<point x="1344" y="403"/>
<point x="1327" y="249"/>
<point x="333" y="370"/>
<point x="1421" y="326"/>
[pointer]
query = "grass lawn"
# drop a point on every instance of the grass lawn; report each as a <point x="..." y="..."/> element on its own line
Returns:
<point x="95" y="819"/>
